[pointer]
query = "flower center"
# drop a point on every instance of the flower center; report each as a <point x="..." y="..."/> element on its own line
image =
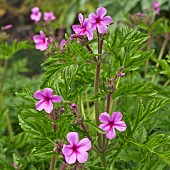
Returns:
<point x="47" y="99"/>
<point x="111" y="124"/>
<point x="83" y="30"/>
<point x="98" y="21"/>
<point x="36" y="13"/>
<point x="74" y="148"/>
<point x="43" y="41"/>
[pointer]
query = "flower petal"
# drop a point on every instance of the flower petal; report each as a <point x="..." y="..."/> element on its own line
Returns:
<point x="73" y="138"/>
<point x="104" y="117"/>
<point x="116" y="116"/>
<point x="42" y="34"/>
<point x="35" y="9"/>
<point x="40" y="105"/>
<point x="84" y="145"/>
<point x="107" y="20"/>
<point x="77" y="29"/>
<point x="92" y="17"/>
<point x="82" y="157"/>
<point x="104" y="127"/>
<point x="48" y="106"/>
<point x="37" y="38"/>
<point x="101" y="11"/>
<point x="111" y="133"/>
<point x="48" y="92"/>
<point x="102" y="29"/>
<point x="71" y="158"/>
<point x="80" y="17"/>
<point x="89" y="35"/>
<point x="41" y="46"/>
<point x="56" y="99"/>
<point x="120" y="125"/>
<point x="39" y="94"/>
<point x="67" y="150"/>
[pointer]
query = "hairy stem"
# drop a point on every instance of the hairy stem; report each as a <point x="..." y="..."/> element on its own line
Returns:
<point x="96" y="88"/>
<point x="86" y="130"/>
<point x="96" y="102"/>
<point x="63" y="166"/>
<point x="53" y="159"/>
<point x="53" y="163"/>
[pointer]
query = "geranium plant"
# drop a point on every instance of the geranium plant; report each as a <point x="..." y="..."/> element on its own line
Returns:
<point x="85" y="126"/>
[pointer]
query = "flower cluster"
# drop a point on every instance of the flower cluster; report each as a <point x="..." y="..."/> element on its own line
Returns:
<point x="77" y="150"/>
<point x="36" y="15"/>
<point x="155" y="7"/>
<point x="95" y="21"/>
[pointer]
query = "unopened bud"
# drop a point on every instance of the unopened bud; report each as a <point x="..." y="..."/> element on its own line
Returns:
<point x="73" y="105"/>
<point x="122" y="74"/>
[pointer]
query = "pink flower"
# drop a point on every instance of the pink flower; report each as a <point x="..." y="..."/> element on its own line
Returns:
<point x="138" y="14"/>
<point x="46" y="98"/>
<point x="63" y="42"/>
<point x="111" y="122"/>
<point x="156" y="7"/>
<point x="6" y="27"/>
<point x="36" y="14"/>
<point x="99" y="21"/>
<point x="41" y="41"/>
<point x="76" y="150"/>
<point x="49" y="16"/>
<point x="84" y="27"/>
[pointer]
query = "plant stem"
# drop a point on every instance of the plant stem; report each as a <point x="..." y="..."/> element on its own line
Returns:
<point x="53" y="159"/>
<point x="108" y="103"/>
<point x="63" y="166"/>
<point x="162" y="49"/>
<point x="107" y="110"/>
<point x="161" y="52"/>
<point x="103" y="160"/>
<point x="9" y="125"/>
<point x="53" y="163"/>
<point x="96" y="88"/>
<point x="86" y="130"/>
<point x="148" y="48"/>
<point x="96" y="102"/>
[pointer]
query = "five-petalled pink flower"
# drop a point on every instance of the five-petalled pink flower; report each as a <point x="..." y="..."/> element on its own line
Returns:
<point x="49" y="16"/>
<point x="42" y="42"/>
<point x="84" y="27"/>
<point x="76" y="150"/>
<point x="46" y="98"/>
<point x="110" y="123"/>
<point x="156" y="7"/>
<point x="36" y="14"/>
<point x="99" y="20"/>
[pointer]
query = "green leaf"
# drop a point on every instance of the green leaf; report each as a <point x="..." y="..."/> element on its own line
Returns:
<point x="154" y="142"/>
<point x="165" y="156"/>
<point x="26" y="95"/>
<point x="141" y="89"/>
